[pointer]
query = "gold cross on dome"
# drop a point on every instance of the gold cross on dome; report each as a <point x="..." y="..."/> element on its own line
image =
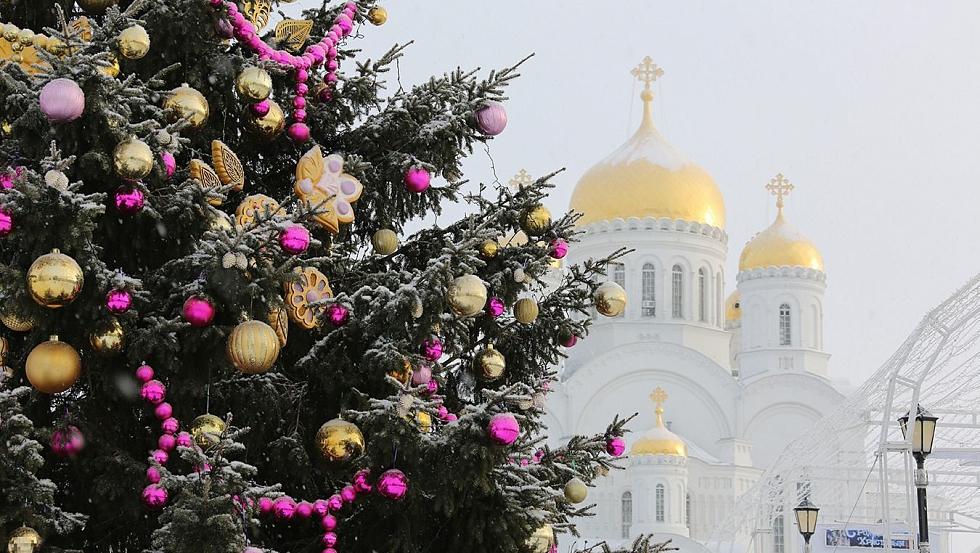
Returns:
<point x="780" y="187"/>
<point x="647" y="72"/>
<point x="521" y="180"/>
<point x="659" y="396"/>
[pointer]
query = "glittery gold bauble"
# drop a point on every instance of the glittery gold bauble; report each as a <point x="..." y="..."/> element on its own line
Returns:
<point x="253" y="347"/>
<point x="254" y="84"/>
<point x="488" y="249"/>
<point x="132" y="159"/>
<point x="271" y="124"/>
<point x="403" y="374"/>
<point x="535" y="220"/>
<point x="53" y="366"/>
<point x="576" y="491"/>
<point x="96" y="6"/>
<point x="112" y="69"/>
<point x="542" y="540"/>
<point x="187" y="103"/>
<point x="377" y="15"/>
<point x="54" y="279"/>
<point x="385" y="242"/>
<point x="467" y="295"/>
<point x="339" y="440"/>
<point x="23" y="540"/>
<point x="134" y="42"/>
<point x="279" y="321"/>
<point x="425" y="421"/>
<point x="490" y="364"/>
<point x="207" y="430"/>
<point x="526" y="310"/>
<point x="15" y="323"/>
<point x="610" y="299"/>
<point x="108" y="340"/>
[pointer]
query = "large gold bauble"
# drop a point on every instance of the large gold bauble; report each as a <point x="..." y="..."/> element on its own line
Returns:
<point x="253" y="347"/>
<point x="377" y="15"/>
<point x="53" y="366"/>
<point x="339" y="440"/>
<point x="132" y="159"/>
<point x="54" y="279"/>
<point x="385" y="242"/>
<point x="187" y="103"/>
<point x="576" y="491"/>
<point x="490" y="364"/>
<point x="133" y="42"/>
<point x="23" y="540"/>
<point x="610" y="299"/>
<point x="15" y="323"/>
<point x="535" y="220"/>
<point x="526" y="310"/>
<point x="542" y="540"/>
<point x="109" y="340"/>
<point x="271" y="124"/>
<point x="489" y="249"/>
<point x="467" y="295"/>
<point x="96" y="6"/>
<point x="207" y="430"/>
<point x="254" y="84"/>
<point x="279" y="321"/>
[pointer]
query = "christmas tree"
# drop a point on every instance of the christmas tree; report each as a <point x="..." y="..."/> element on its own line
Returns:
<point x="221" y="334"/>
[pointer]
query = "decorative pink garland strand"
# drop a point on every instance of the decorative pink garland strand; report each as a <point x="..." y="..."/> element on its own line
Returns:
<point x="312" y="57"/>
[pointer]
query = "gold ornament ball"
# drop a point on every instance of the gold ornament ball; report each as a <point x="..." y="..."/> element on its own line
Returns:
<point x="133" y="42"/>
<point x="132" y="159"/>
<point x="377" y="15"/>
<point x="15" y="323"/>
<point x="253" y="347"/>
<point x="424" y="419"/>
<point x="187" y="103"/>
<point x="385" y="242"/>
<point x="535" y="220"/>
<point x="23" y="540"/>
<point x="542" y="540"/>
<point x="111" y="70"/>
<point x="54" y="279"/>
<point x="576" y="491"/>
<point x="467" y="295"/>
<point x="271" y="124"/>
<point x="254" y="84"/>
<point x="109" y="340"/>
<point x="489" y="249"/>
<point x="610" y="299"/>
<point x="53" y="366"/>
<point x="490" y="364"/>
<point x="207" y="430"/>
<point x="526" y="310"/>
<point x="339" y="440"/>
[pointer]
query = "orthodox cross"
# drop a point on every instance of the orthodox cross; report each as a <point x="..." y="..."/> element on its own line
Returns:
<point x="647" y="72"/>
<point x="659" y="396"/>
<point x="521" y="180"/>
<point x="780" y="187"/>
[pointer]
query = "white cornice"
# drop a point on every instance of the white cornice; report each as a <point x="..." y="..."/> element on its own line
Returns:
<point x="805" y="273"/>
<point x="661" y="224"/>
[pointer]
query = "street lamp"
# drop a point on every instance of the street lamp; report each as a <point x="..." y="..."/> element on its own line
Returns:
<point x="806" y="520"/>
<point x="923" y="434"/>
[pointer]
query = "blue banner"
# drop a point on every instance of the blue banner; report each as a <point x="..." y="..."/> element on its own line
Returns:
<point x="865" y="538"/>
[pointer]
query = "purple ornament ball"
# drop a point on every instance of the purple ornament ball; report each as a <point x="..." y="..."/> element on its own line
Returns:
<point x="332" y="550"/>
<point x="328" y="522"/>
<point x="298" y="132"/>
<point x="337" y="314"/>
<point x="329" y="539"/>
<point x="491" y="119"/>
<point x="62" y="101"/>
<point x="294" y="239"/>
<point x="417" y="179"/>
<point x="170" y="426"/>
<point x="265" y="505"/>
<point x="348" y="494"/>
<point x="184" y="439"/>
<point x="153" y="392"/>
<point x="495" y="307"/>
<point x="432" y="387"/>
<point x="284" y="508"/>
<point x="154" y="496"/>
<point x="224" y="29"/>
<point x="260" y="109"/>
<point x="422" y="375"/>
<point x="503" y="429"/>
<point x="153" y="475"/>
<point x="393" y="484"/>
<point x="160" y="456"/>
<point x="335" y="503"/>
<point x="320" y="507"/>
<point x="118" y="301"/>
<point x="198" y="311"/>
<point x="166" y="442"/>
<point x="144" y="373"/>
<point x="68" y="442"/>
<point x="443" y="412"/>
<point x="128" y="200"/>
<point x="304" y="509"/>
<point x="615" y="446"/>
<point x="361" y="482"/>
<point x="432" y="349"/>
<point x="163" y="411"/>
<point x="6" y="222"/>
<point x="559" y="248"/>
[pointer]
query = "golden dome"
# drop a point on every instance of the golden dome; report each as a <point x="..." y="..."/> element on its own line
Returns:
<point x="780" y="245"/>
<point x="648" y="177"/>
<point x="659" y="440"/>
<point x="733" y="307"/>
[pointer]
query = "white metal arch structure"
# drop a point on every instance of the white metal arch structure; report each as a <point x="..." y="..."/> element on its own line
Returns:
<point x="854" y="463"/>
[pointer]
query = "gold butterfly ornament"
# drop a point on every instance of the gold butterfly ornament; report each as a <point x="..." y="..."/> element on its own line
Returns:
<point x="322" y="184"/>
<point x="292" y="34"/>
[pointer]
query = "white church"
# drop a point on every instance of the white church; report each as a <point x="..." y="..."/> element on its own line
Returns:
<point x="721" y="385"/>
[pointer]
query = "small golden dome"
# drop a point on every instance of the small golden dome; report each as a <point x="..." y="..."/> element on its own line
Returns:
<point x="648" y="177"/>
<point x="780" y="245"/>
<point x="733" y="307"/>
<point x="659" y="440"/>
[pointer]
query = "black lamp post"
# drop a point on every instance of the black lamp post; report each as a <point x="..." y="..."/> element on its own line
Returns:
<point x="806" y="521"/>
<point x="923" y="434"/>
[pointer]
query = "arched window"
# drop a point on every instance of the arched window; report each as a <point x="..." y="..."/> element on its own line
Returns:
<point x="627" y="518"/>
<point x="660" y="502"/>
<point x="649" y="290"/>
<point x="677" y="292"/>
<point x="778" y="535"/>
<point x="702" y="297"/>
<point x="785" y="325"/>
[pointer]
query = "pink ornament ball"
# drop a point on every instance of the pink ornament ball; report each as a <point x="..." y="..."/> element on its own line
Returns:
<point x="223" y="28"/>
<point x="144" y="373"/>
<point x="160" y="456"/>
<point x="393" y="484"/>
<point x="338" y="315"/>
<point x="491" y="119"/>
<point x="443" y="412"/>
<point x="118" y="301"/>
<point x="422" y="375"/>
<point x="260" y="109"/>
<point x="128" y="200"/>
<point x="154" y="496"/>
<point x="68" y="442"/>
<point x="569" y="340"/>
<point x="432" y="349"/>
<point x="170" y="426"/>
<point x="417" y="179"/>
<point x="328" y="522"/>
<point x="153" y="475"/>
<point x="503" y="429"/>
<point x="559" y="248"/>
<point x="163" y="411"/>
<point x="62" y="101"/>
<point x="6" y="222"/>
<point x="348" y="494"/>
<point x="361" y="481"/>
<point x="284" y="508"/>
<point x="304" y="509"/>
<point x="298" y="132"/>
<point x="329" y="550"/>
<point x="294" y="239"/>
<point x="169" y="163"/>
<point x="495" y="307"/>
<point x="335" y="503"/>
<point x="615" y="446"/>
<point x="184" y="439"/>
<point x="265" y="505"/>
<point x="198" y="311"/>
<point x="153" y="392"/>
<point x="451" y="417"/>
<point x="329" y="539"/>
<point x="167" y="442"/>
<point x="320" y="507"/>
<point x="432" y="387"/>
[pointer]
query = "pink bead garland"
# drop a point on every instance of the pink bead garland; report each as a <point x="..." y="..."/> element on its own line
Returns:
<point x="320" y="53"/>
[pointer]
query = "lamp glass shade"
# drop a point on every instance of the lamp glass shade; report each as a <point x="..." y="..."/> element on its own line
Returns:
<point x="923" y="431"/>
<point x="806" y="517"/>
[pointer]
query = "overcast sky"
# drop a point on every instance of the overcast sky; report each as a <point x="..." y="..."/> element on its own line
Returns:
<point x="871" y="108"/>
